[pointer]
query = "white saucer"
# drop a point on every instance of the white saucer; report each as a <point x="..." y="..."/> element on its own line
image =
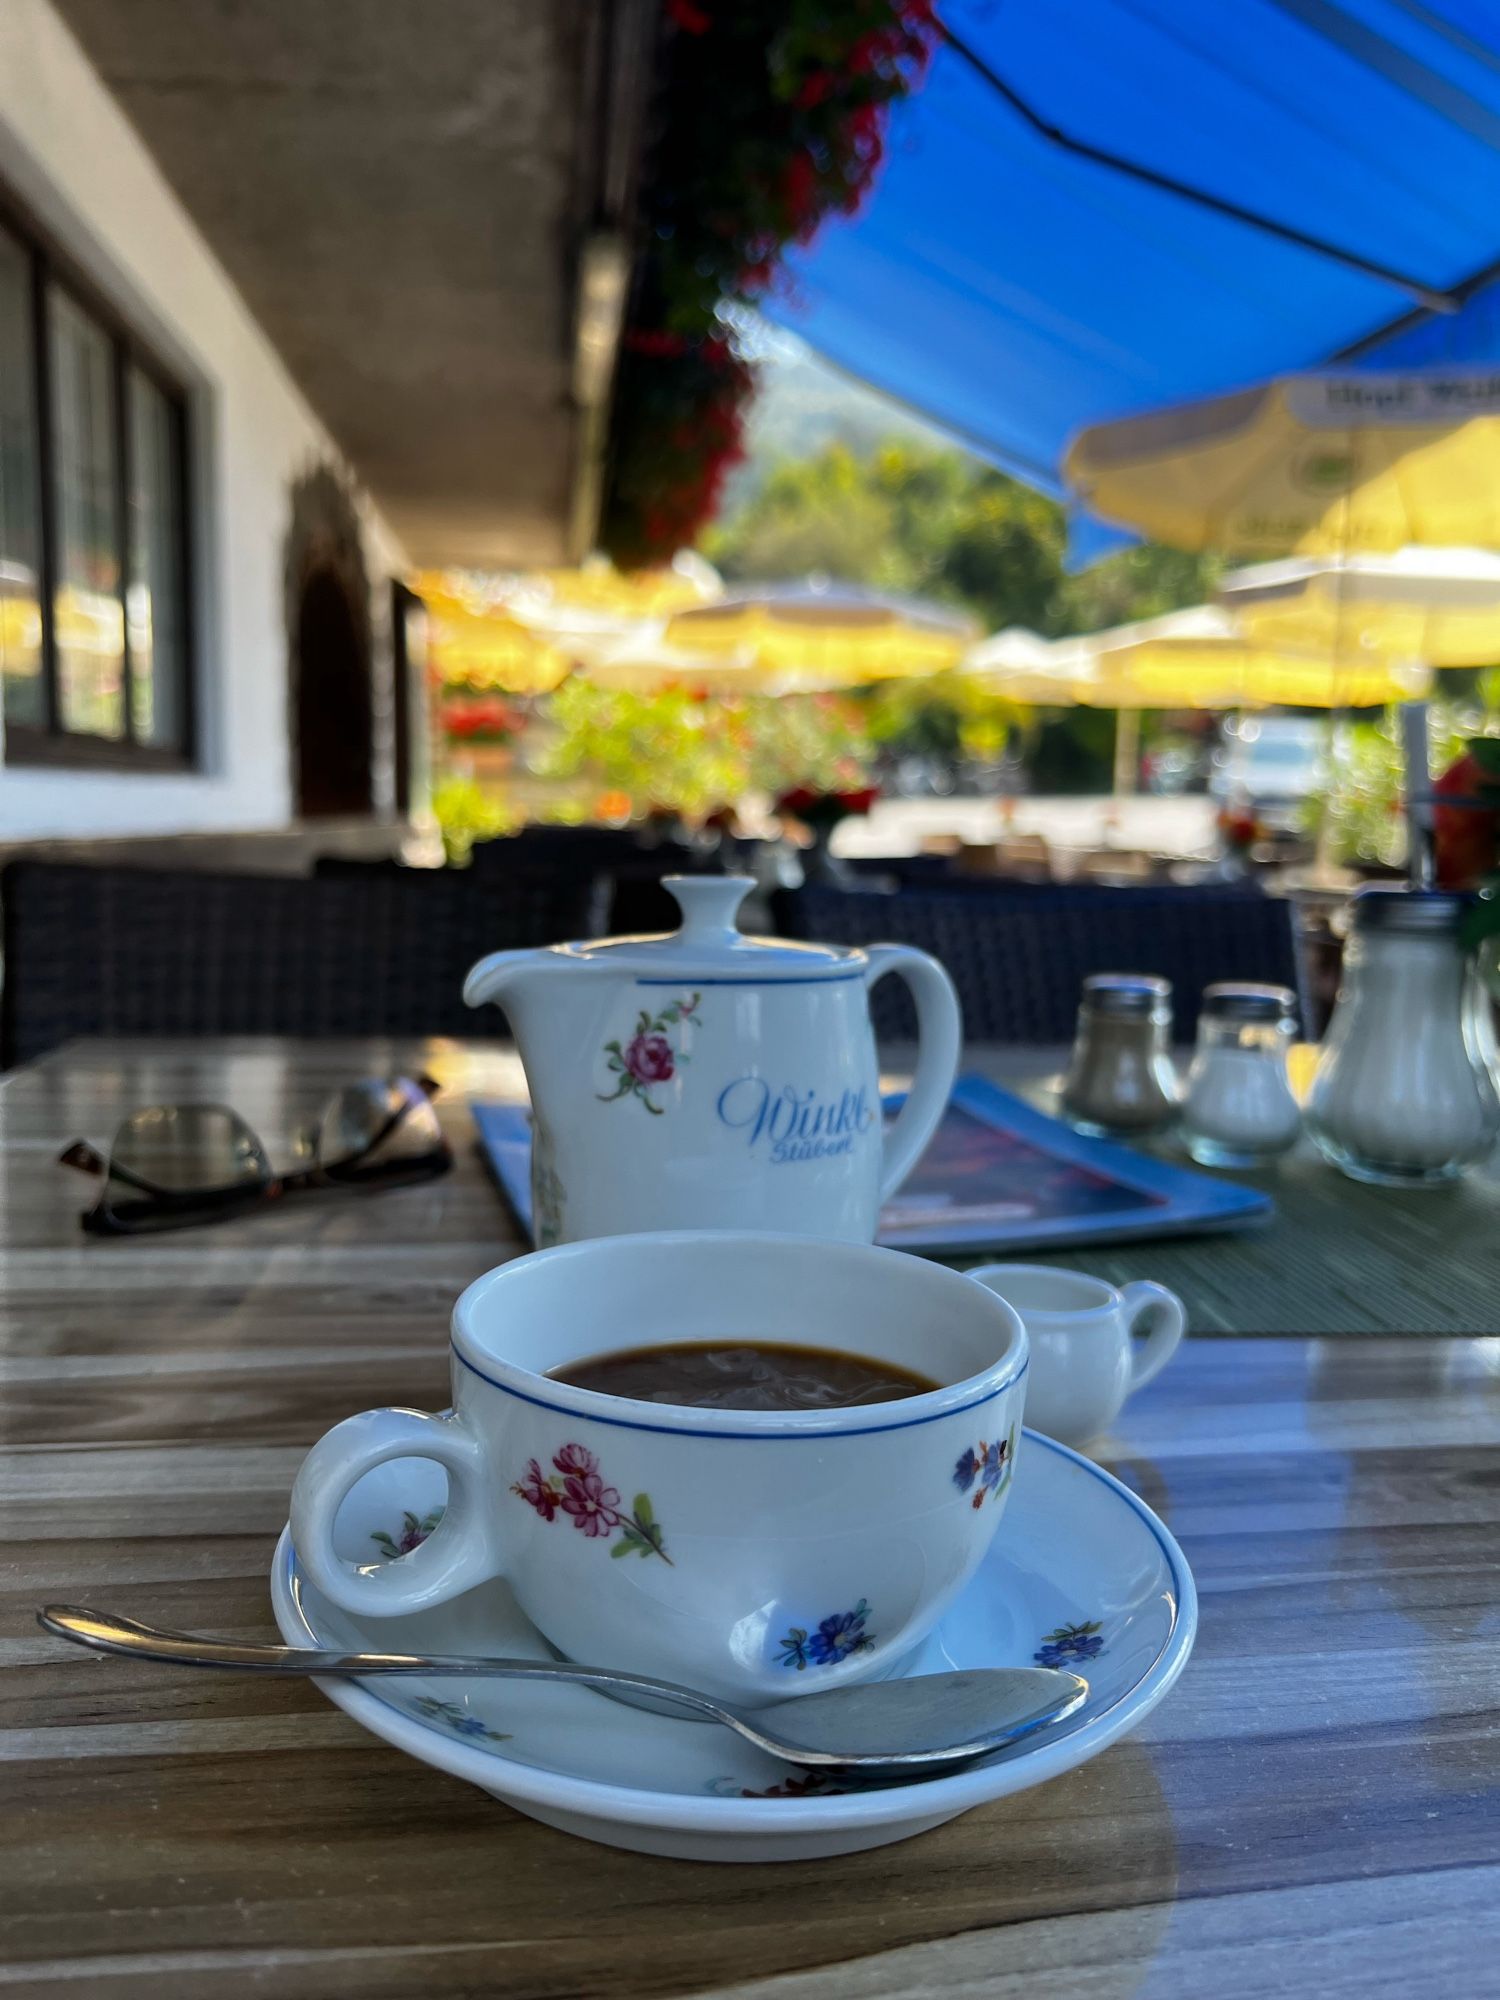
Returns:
<point x="1083" y="1575"/>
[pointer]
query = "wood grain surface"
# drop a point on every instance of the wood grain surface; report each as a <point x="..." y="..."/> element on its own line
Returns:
<point x="1315" y="1809"/>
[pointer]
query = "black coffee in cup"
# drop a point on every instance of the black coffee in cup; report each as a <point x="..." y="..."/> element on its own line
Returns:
<point x="744" y="1375"/>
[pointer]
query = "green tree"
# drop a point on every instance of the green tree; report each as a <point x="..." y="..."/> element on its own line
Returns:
<point x="935" y="522"/>
<point x="1142" y="582"/>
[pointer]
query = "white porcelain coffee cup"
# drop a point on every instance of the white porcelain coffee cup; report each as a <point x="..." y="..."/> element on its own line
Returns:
<point x="1085" y="1360"/>
<point x="752" y="1553"/>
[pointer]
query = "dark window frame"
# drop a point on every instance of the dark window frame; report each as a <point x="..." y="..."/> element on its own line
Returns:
<point x="53" y="271"/>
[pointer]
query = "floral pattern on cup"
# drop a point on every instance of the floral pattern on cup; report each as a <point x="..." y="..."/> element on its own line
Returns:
<point x="650" y="1057"/>
<point x="990" y="1465"/>
<point x="574" y="1489"/>
<point x="1070" y="1644"/>
<point x="838" y="1638"/>
<point x="413" y="1533"/>
<point x="453" y="1715"/>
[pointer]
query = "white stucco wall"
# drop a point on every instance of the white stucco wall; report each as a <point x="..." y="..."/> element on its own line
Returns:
<point x="70" y="157"/>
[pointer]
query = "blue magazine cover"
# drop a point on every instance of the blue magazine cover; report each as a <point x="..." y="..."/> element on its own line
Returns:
<point x="999" y="1175"/>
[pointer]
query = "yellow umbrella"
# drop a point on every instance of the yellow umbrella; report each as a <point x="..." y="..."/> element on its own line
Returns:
<point x="1021" y="666"/>
<point x="1305" y="465"/>
<point x="490" y="649"/>
<point x="645" y="662"/>
<point x="1437" y="605"/>
<point x="828" y="634"/>
<point x="1200" y="658"/>
<point x="596" y="585"/>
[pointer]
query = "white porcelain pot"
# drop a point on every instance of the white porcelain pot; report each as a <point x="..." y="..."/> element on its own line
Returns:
<point x="1085" y="1360"/>
<point x="752" y="1553"/>
<point x="709" y="1080"/>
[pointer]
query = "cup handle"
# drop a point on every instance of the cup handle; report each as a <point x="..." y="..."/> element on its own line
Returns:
<point x="1143" y="1301"/>
<point x="459" y="1552"/>
<point x="940" y="1033"/>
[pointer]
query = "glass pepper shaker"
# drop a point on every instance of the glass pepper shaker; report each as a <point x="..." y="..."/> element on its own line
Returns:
<point x="1404" y="1095"/>
<point x="1239" y="1107"/>
<point x="1120" y="1080"/>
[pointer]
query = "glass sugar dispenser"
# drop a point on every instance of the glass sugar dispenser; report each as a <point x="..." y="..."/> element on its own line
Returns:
<point x="1405" y="1094"/>
<point x="1239" y="1108"/>
<point x="1121" y="1081"/>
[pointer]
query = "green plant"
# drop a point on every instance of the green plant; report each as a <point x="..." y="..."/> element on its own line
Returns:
<point x="1359" y="818"/>
<point x="467" y="812"/>
<point x="683" y="751"/>
<point x="948" y="716"/>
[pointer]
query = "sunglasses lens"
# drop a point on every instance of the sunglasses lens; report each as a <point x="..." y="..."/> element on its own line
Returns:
<point x="379" y="1127"/>
<point x="163" y="1157"/>
<point x="188" y="1149"/>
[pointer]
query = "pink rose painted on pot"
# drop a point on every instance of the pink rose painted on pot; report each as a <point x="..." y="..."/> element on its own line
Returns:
<point x="649" y="1058"/>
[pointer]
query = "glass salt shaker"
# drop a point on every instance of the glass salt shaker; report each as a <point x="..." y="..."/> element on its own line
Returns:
<point x="1121" y="1080"/>
<point x="1239" y="1107"/>
<point x="1404" y="1095"/>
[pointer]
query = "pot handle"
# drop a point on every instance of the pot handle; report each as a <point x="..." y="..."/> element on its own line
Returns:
<point x="461" y="1549"/>
<point x="940" y="1031"/>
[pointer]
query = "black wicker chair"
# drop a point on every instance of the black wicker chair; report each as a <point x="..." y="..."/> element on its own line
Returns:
<point x="632" y="871"/>
<point x="124" y="951"/>
<point x="1019" y="956"/>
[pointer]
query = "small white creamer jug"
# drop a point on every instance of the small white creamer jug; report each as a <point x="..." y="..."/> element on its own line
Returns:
<point x="1085" y="1360"/>
<point x="710" y="1080"/>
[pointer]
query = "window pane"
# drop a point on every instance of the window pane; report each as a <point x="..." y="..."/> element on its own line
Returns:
<point x="154" y="596"/>
<point x="20" y="497"/>
<point x="89" y="619"/>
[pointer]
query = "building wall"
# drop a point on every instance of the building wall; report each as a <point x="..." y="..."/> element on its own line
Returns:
<point x="70" y="158"/>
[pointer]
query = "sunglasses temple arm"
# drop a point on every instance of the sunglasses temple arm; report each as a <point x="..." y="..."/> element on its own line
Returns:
<point x="89" y="1160"/>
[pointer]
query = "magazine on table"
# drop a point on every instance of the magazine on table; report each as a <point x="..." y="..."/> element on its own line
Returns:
<point x="999" y="1176"/>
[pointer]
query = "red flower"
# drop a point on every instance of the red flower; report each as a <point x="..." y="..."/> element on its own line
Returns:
<point x="535" y="1491"/>
<point x="819" y="85"/>
<point x="573" y="1459"/>
<point x="481" y="718"/>
<point x="649" y="1059"/>
<point x="595" y="1507"/>
<point x="692" y="20"/>
<point x="1466" y="838"/>
<point x="1240" y="829"/>
<point x="799" y="186"/>
<point x="656" y="342"/>
<point x="826" y="808"/>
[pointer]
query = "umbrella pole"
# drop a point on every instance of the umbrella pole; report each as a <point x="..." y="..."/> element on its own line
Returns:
<point x="1411" y="719"/>
<point x="1127" y="751"/>
<point x="1323" y="861"/>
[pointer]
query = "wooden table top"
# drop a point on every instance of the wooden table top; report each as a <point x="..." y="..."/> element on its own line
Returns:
<point x="1315" y="1809"/>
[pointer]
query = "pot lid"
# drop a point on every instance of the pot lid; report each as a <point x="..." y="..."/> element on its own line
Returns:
<point x="710" y="945"/>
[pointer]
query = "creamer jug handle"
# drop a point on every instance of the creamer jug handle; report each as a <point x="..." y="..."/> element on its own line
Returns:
<point x="940" y="1037"/>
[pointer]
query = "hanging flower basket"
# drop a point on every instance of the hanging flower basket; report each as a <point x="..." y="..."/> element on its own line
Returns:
<point x="773" y="118"/>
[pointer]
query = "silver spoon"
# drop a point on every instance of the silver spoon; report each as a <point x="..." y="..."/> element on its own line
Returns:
<point x="918" y="1726"/>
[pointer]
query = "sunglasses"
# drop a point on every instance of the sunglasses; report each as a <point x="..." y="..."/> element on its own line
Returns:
<point x="176" y="1165"/>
